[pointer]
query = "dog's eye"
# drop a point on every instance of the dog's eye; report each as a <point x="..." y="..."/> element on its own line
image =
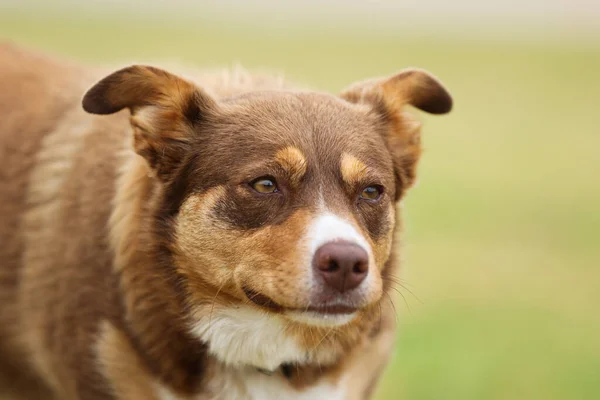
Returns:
<point x="264" y="185"/>
<point x="371" y="192"/>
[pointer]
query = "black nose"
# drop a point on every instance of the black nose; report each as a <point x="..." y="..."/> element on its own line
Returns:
<point x="343" y="265"/>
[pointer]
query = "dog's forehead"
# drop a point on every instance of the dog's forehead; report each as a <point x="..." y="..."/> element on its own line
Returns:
<point x="319" y="125"/>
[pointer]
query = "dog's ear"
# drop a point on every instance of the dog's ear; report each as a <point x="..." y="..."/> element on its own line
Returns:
<point x="388" y="97"/>
<point x="165" y="110"/>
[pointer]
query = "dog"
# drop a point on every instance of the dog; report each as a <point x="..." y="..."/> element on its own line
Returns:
<point x="226" y="237"/>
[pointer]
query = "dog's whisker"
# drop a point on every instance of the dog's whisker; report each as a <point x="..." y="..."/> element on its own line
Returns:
<point x="412" y="293"/>
<point x="398" y="279"/>
<point x="397" y="290"/>
<point x="380" y="308"/>
<point x="212" y="305"/>
<point x="393" y="306"/>
<point x="404" y="300"/>
<point x="323" y="338"/>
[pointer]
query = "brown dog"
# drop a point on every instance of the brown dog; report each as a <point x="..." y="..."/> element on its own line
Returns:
<point x="232" y="240"/>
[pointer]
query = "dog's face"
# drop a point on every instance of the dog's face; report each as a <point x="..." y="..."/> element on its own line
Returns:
<point x="290" y="205"/>
<point x="281" y="201"/>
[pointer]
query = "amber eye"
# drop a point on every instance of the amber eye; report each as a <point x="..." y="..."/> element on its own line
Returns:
<point x="371" y="192"/>
<point x="264" y="185"/>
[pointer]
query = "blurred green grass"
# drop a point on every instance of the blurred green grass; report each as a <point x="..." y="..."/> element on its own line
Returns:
<point x="502" y="240"/>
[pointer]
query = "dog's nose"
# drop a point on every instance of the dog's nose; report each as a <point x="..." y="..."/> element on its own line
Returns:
<point x="343" y="265"/>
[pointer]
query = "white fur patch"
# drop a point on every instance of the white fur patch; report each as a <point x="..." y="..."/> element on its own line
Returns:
<point x="329" y="227"/>
<point x="242" y="335"/>
<point x="243" y="338"/>
<point x="248" y="384"/>
<point x="262" y="387"/>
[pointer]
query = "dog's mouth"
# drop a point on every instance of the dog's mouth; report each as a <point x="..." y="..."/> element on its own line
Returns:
<point x="325" y="309"/>
<point x="262" y="301"/>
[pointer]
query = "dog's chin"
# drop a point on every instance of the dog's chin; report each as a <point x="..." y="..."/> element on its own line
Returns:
<point x="333" y="314"/>
<point x="321" y="319"/>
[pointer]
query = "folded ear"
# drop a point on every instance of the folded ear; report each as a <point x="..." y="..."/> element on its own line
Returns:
<point x="164" y="108"/>
<point x="416" y="87"/>
<point x="388" y="97"/>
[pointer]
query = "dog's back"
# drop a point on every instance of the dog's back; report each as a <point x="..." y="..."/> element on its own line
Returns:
<point x="43" y="135"/>
<point x="25" y="87"/>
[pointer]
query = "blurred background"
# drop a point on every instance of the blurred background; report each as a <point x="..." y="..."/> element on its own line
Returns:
<point x="502" y="254"/>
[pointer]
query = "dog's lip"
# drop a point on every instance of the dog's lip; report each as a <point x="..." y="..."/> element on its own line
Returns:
<point x="333" y="309"/>
<point x="261" y="300"/>
<point x="325" y="309"/>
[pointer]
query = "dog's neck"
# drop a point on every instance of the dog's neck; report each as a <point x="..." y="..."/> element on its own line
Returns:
<point x="152" y="304"/>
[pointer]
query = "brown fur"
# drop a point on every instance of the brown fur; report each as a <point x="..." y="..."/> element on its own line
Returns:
<point x="117" y="229"/>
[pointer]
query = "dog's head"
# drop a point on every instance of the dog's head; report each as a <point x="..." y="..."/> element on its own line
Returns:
<point x="278" y="202"/>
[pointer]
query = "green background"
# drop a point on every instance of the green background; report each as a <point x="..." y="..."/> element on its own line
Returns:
<point x="502" y="260"/>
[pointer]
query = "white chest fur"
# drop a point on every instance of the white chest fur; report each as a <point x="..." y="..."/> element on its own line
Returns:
<point x="253" y="385"/>
<point x="241" y="336"/>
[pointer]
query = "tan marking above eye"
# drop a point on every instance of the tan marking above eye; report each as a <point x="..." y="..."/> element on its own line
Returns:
<point x="292" y="159"/>
<point x="353" y="170"/>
